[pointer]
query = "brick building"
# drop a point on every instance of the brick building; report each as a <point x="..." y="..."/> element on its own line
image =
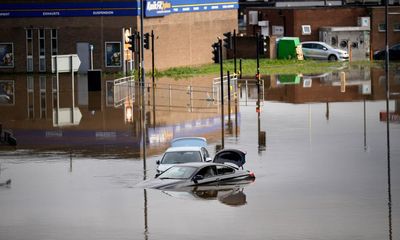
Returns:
<point x="33" y="31"/>
<point x="290" y="21"/>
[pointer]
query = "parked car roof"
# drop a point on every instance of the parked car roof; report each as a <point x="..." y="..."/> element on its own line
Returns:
<point x="189" y="141"/>
<point x="181" y="149"/>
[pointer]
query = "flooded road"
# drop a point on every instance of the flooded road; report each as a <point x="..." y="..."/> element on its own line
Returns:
<point x="322" y="174"/>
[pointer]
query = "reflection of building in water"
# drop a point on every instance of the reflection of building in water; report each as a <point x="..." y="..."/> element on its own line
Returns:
<point x="358" y="84"/>
<point x="42" y="118"/>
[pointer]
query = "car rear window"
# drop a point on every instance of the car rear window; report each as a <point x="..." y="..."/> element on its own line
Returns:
<point x="181" y="157"/>
<point x="222" y="170"/>
<point x="178" y="172"/>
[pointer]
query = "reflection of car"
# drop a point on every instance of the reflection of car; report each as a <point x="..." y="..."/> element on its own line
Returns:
<point x="232" y="195"/>
<point x="183" y="150"/>
<point x="323" y="51"/>
<point x="224" y="170"/>
<point x="394" y="53"/>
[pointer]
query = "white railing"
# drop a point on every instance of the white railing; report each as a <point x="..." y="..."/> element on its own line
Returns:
<point x="124" y="89"/>
<point x="216" y="95"/>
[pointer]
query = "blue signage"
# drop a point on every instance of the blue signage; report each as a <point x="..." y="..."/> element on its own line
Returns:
<point x="157" y="8"/>
<point x="153" y="8"/>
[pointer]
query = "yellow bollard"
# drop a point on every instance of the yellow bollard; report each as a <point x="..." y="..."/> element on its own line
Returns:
<point x="342" y="82"/>
<point x="350" y="54"/>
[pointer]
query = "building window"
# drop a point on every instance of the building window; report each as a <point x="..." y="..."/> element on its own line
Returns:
<point x="396" y="27"/>
<point x="113" y="54"/>
<point x="54" y="42"/>
<point x="29" y="50"/>
<point x="42" y="50"/>
<point x="306" y="29"/>
<point x="6" y="55"/>
<point x="382" y="27"/>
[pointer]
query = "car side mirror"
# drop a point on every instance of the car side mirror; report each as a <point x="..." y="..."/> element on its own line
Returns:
<point x="197" y="178"/>
<point x="325" y="49"/>
<point x="158" y="162"/>
<point x="208" y="159"/>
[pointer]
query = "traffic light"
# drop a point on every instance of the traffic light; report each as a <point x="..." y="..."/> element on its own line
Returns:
<point x="228" y="40"/>
<point x="133" y="42"/>
<point x="215" y="52"/>
<point x="146" y="41"/>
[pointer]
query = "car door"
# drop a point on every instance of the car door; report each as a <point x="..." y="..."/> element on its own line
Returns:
<point x="225" y="173"/>
<point x="307" y="50"/>
<point x="208" y="174"/>
<point x="205" y="155"/>
<point x="320" y="51"/>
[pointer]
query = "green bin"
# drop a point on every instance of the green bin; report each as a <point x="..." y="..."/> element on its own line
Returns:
<point x="287" y="48"/>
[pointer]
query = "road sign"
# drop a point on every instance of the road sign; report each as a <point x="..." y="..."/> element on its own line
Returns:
<point x="65" y="63"/>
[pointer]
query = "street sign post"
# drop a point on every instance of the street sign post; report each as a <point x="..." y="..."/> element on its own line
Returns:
<point x="65" y="64"/>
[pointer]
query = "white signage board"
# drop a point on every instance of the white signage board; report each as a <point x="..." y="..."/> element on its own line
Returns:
<point x="65" y="63"/>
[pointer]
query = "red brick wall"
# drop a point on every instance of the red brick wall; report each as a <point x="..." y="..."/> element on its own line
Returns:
<point x="378" y="17"/>
<point x="292" y="19"/>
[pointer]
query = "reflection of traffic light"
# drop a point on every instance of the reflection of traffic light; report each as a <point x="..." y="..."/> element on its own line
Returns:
<point x="132" y="42"/>
<point x="146" y="41"/>
<point x="215" y="52"/>
<point x="228" y="40"/>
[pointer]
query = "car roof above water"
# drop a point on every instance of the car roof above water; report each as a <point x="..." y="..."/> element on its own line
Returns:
<point x="189" y="141"/>
<point x="199" y="164"/>
<point x="183" y="149"/>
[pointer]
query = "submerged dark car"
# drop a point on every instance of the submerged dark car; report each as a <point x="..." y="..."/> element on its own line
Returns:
<point x="223" y="170"/>
<point x="394" y="53"/>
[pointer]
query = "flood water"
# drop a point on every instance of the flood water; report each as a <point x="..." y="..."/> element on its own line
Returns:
<point x="322" y="174"/>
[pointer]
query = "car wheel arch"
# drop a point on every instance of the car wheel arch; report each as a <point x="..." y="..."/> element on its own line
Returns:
<point x="332" y="57"/>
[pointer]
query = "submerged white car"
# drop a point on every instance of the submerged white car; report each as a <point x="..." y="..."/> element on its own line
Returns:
<point x="323" y="51"/>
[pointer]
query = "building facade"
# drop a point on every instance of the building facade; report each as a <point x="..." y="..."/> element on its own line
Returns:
<point x="306" y="22"/>
<point x="32" y="32"/>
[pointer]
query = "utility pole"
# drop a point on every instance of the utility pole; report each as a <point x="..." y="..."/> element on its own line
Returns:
<point x="222" y="94"/>
<point x="142" y="76"/>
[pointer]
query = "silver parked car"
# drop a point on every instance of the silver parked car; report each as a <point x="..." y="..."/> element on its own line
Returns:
<point x="323" y="51"/>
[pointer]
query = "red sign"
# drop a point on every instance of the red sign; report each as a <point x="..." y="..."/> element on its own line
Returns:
<point x="393" y="116"/>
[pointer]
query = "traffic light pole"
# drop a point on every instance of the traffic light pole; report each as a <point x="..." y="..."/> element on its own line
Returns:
<point x="222" y="94"/>
<point x="234" y="50"/>
<point x="258" y="86"/>
<point x="142" y="76"/>
<point x="153" y="78"/>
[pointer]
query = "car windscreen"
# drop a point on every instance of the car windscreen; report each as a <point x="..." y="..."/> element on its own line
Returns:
<point x="181" y="157"/>
<point x="178" y="172"/>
